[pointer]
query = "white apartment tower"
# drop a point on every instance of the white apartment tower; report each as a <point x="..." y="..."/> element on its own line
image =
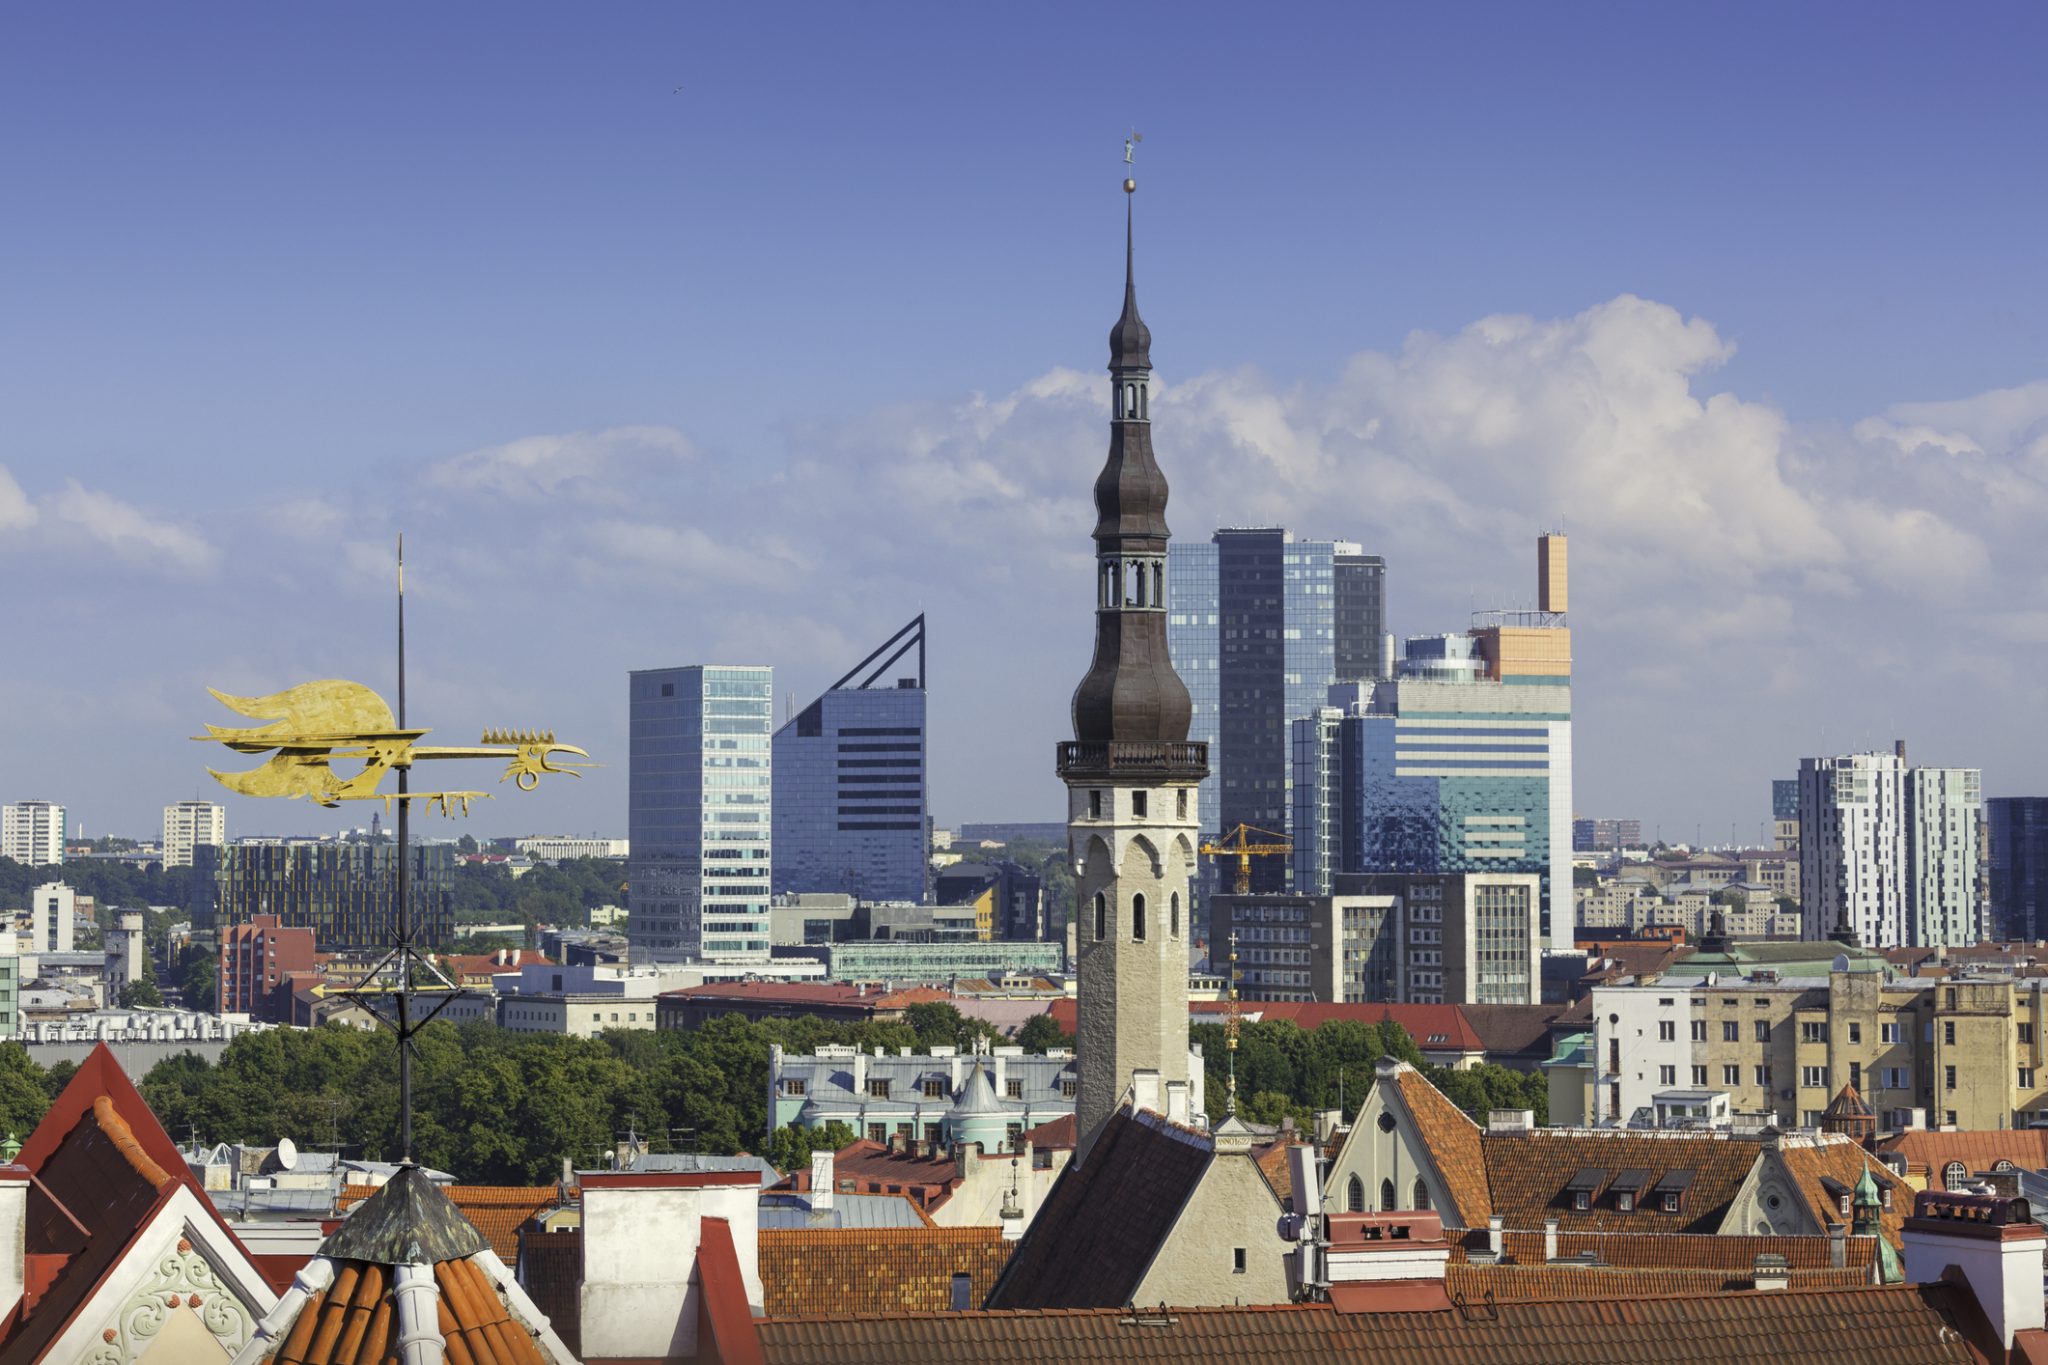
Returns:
<point x="190" y="824"/>
<point x="1132" y="779"/>
<point x="1888" y="850"/>
<point x="32" y="833"/>
<point x="51" y="909"/>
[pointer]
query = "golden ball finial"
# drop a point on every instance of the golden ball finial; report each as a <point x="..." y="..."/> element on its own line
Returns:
<point x="1130" y="187"/>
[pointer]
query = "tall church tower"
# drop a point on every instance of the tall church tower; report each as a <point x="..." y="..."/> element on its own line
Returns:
<point x="1130" y="770"/>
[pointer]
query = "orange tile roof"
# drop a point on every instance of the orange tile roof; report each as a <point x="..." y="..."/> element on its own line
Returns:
<point x="1681" y="1250"/>
<point x="1527" y="1174"/>
<point x="1273" y="1164"/>
<point x="351" y="1322"/>
<point x="1977" y="1149"/>
<point x="876" y="1270"/>
<point x="1454" y="1143"/>
<point x="1843" y="1162"/>
<point x="1525" y="1283"/>
<point x="1907" y="1324"/>
<point x="495" y="1210"/>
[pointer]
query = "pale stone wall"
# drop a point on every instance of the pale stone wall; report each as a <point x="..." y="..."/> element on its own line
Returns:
<point x="1232" y="1209"/>
<point x="1132" y="991"/>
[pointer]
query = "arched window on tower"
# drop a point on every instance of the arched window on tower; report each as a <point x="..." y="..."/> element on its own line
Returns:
<point x="1131" y="400"/>
<point x="1138" y="918"/>
<point x="1421" y="1195"/>
<point x="1354" y="1196"/>
<point x="1134" y="584"/>
<point x="1101" y="917"/>
<point x="1158" y="584"/>
<point x="1174" y="903"/>
<point x="1386" y="1196"/>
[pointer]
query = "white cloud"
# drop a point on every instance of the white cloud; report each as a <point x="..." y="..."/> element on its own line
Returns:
<point x="583" y="466"/>
<point x="16" y="511"/>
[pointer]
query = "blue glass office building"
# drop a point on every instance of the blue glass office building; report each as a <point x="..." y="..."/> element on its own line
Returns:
<point x="1259" y="626"/>
<point x="699" y="789"/>
<point x="850" y="801"/>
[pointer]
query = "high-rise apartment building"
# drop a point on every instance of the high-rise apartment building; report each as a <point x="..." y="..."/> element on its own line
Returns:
<point x="1889" y="850"/>
<point x="1262" y="625"/>
<point x="850" y="805"/>
<point x="699" y="801"/>
<point x="189" y="825"/>
<point x="32" y="833"/>
<point x="1594" y="836"/>
<point x="1460" y="763"/>
<point x="256" y="957"/>
<point x="346" y="893"/>
<point x="2018" y="835"/>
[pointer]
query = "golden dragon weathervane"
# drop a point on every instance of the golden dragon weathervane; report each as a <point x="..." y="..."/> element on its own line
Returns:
<point x="319" y="724"/>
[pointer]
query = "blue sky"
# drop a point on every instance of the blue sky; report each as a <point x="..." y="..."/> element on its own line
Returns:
<point x="790" y="310"/>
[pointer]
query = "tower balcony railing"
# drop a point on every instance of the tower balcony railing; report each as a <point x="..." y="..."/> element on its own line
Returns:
<point x="1188" y="759"/>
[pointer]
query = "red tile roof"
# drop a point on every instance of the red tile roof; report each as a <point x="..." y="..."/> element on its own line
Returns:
<point x="1454" y="1143"/>
<point x="876" y="1270"/>
<point x="927" y="1181"/>
<point x="1979" y="1150"/>
<point x="1527" y="1174"/>
<point x="1062" y="1133"/>
<point x="1680" y="1250"/>
<point x="1911" y="1325"/>
<point x="1523" y="1283"/>
<point x="1105" y="1220"/>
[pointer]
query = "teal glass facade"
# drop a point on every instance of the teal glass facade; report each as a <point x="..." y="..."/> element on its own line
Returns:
<point x="700" y="784"/>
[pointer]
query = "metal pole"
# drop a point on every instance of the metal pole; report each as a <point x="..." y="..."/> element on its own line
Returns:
<point x="404" y="915"/>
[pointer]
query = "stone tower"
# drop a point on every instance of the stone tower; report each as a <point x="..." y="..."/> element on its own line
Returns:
<point x="1131" y="774"/>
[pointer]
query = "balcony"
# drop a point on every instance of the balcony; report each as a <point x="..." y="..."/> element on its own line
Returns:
<point x="1133" y="763"/>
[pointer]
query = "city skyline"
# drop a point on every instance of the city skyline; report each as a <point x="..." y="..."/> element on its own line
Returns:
<point x="1772" y="443"/>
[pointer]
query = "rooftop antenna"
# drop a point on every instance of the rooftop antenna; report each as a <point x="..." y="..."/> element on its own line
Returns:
<point x="1230" y="1027"/>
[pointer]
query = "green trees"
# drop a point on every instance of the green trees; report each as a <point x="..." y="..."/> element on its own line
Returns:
<point x="140" y="993"/>
<point x="1040" y="1034"/>
<point x="22" y="1095"/>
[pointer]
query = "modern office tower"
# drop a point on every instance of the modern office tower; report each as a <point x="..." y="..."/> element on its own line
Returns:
<point x="1594" y="836"/>
<point x="1942" y="888"/>
<point x="32" y="833"/>
<point x="850" y="782"/>
<point x="1460" y="763"/>
<point x="699" y="797"/>
<point x="1889" y="850"/>
<point x="346" y="893"/>
<point x="1360" y="620"/>
<point x="51" y="909"/>
<point x="189" y="824"/>
<point x="1262" y="625"/>
<point x="1785" y="814"/>
<point x="1131" y="775"/>
<point x="2018" y="837"/>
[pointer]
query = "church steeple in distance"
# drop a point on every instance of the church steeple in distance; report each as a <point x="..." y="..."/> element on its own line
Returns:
<point x="1131" y="775"/>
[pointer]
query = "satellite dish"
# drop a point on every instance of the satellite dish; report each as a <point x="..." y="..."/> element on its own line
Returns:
<point x="287" y="1153"/>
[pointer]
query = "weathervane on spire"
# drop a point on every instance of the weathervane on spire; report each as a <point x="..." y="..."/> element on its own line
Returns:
<point x="318" y="724"/>
<point x="1131" y="146"/>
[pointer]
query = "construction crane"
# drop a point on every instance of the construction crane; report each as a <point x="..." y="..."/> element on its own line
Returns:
<point x="1244" y="844"/>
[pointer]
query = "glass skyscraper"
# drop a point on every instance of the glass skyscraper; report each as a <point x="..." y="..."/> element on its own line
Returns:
<point x="850" y="783"/>
<point x="1260" y="624"/>
<point x="2018" y="829"/>
<point x="699" y="790"/>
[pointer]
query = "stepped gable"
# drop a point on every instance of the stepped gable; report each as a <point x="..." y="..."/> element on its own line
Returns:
<point x="405" y="1266"/>
<point x="876" y="1270"/>
<point x="1104" y="1222"/>
<point x="1454" y="1141"/>
<point x="1892" y="1325"/>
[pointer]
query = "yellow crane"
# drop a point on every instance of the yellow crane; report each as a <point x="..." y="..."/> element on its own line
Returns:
<point x="1244" y="844"/>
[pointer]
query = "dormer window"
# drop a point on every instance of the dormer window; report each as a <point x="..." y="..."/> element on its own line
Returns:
<point x="1671" y="1201"/>
<point x="1625" y="1202"/>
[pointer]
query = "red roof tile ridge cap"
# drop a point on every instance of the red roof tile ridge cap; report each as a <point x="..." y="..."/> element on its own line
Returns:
<point x="123" y="1137"/>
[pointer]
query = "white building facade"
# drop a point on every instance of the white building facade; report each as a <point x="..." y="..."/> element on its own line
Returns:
<point x="189" y="825"/>
<point x="32" y="833"/>
<point x="1890" y="850"/>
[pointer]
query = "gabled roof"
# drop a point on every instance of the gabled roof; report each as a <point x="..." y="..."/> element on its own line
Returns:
<point x="877" y="1270"/>
<point x="103" y="1170"/>
<point x="1273" y="1163"/>
<point x="1105" y="1220"/>
<point x="1525" y="1283"/>
<point x="1528" y="1173"/>
<point x="1826" y="1167"/>
<point x="1062" y="1133"/>
<point x="1723" y="1252"/>
<point x="1902" y="1325"/>
<point x="1453" y="1141"/>
<point x="1928" y="1152"/>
